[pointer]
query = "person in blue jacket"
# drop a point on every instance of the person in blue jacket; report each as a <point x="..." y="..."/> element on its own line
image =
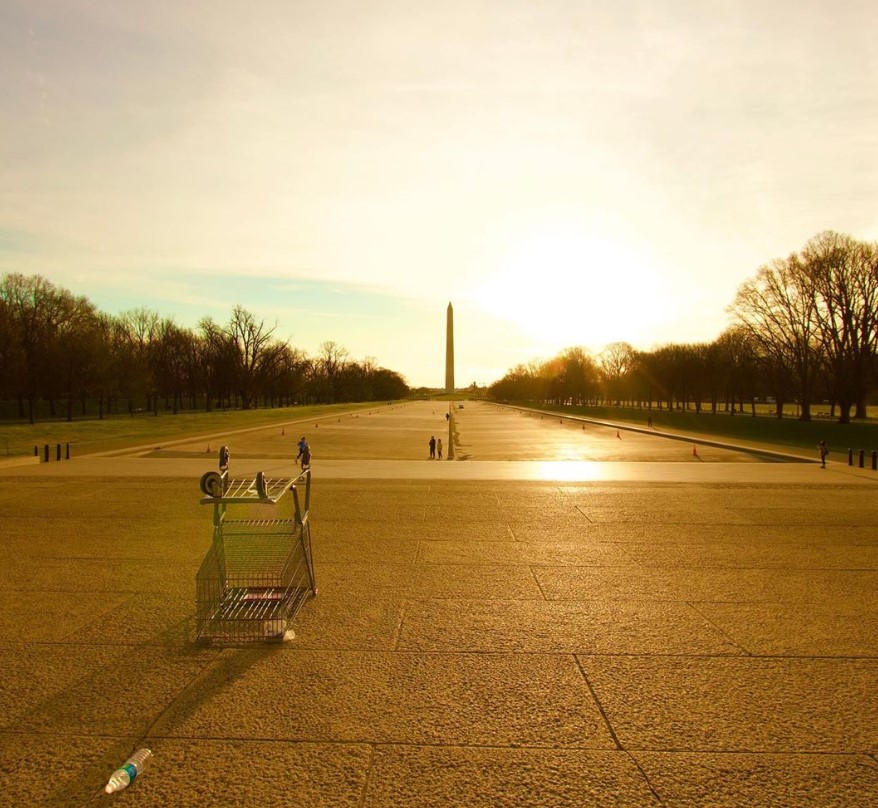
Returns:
<point x="304" y="453"/>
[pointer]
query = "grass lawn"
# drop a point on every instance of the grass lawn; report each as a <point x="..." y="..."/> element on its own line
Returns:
<point x="119" y="432"/>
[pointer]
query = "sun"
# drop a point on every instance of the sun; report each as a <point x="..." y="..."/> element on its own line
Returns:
<point x="567" y="287"/>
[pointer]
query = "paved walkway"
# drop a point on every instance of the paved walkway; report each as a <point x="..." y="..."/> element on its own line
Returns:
<point x="563" y="618"/>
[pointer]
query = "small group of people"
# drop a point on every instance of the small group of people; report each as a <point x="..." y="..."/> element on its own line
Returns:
<point x="304" y="455"/>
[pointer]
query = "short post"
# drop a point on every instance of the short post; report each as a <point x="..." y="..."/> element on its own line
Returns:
<point x="850" y="457"/>
<point x="36" y="451"/>
<point x="46" y="453"/>
<point x="874" y="460"/>
<point x="58" y="452"/>
<point x="67" y="452"/>
<point x="862" y="458"/>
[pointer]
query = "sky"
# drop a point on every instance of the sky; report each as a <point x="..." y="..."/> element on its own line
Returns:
<point x="564" y="172"/>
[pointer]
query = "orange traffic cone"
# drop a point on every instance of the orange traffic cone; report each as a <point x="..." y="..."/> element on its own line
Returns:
<point x="283" y="431"/>
<point x="208" y="449"/>
<point x="694" y="450"/>
<point x="618" y="435"/>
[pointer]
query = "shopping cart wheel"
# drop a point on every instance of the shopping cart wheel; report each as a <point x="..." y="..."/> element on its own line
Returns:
<point x="211" y="484"/>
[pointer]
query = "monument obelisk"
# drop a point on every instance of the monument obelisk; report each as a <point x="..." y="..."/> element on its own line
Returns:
<point x="449" y="351"/>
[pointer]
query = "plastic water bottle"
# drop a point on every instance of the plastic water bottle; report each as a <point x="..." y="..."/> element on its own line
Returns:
<point x="128" y="771"/>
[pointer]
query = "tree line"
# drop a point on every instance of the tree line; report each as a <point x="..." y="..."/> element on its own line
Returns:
<point x="804" y="331"/>
<point x="58" y="349"/>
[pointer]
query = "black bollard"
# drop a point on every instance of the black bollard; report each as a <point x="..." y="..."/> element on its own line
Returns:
<point x="46" y="453"/>
<point x="850" y="457"/>
<point x="874" y="460"/>
<point x="862" y="459"/>
<point x="36" y="451"/>
<point x="58" y="452"/>
<point x="67" y="452"/>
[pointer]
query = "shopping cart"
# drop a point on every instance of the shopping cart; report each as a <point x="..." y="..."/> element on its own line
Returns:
<point x="259" y="569"/>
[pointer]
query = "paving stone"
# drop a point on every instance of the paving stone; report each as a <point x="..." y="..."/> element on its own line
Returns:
<point x="340" y="620"/>
<point x="856" y="517"/>
<point x="409" y="698"/>
<point x="786" y="781"/>
<point x="39" y="616"/>
<point x="472" y="581"/>
<point x="729" y="704"/>
<point x="857" y="588"/>
<point x="333" y="530"/>
<point x="589" y="627"/>
<point x="544" y="553"/>
<point x="253" y="772"/>
<point x="757" y="553"/>
<point x="110" y="575"/>
<point x="667" y="516"/>
<point x="682" y="534"/>
<point x="57" y="771"/>
<point x="82" y="689"/>
<point x="603" y="583"/>
<point x="361" y="549"/>
<point x="785" y="629"/>
<point x="104" y="538"/>
<point x="438" y="777"/>
<point x="167" y="620"/>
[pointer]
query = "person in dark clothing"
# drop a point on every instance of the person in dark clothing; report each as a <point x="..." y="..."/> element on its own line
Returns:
<point x="432" y="447"/>
<point x="304" y="453"/>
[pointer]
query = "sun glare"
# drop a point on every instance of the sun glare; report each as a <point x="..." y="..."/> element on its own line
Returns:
<point x="570" y="288"/>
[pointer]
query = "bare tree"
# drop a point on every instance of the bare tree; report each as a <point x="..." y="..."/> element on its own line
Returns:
<point x="56" y="346"/>
<point x="172" y="350"/>
<point x="519" y="384"/>
<point x="41" y="320"/>
<point x="734" y="353"/>
<point x="11" y="351"/>
<point x="74" y="349"/>
<point x="616" y="362"/>
<point x="331" y="361"/>
<point x="578" y="380"/>
<point x="844" y="284"/>
<point x="139" y="332"/>
<point x="777" y="308"/>
<point x="252" y="349"/>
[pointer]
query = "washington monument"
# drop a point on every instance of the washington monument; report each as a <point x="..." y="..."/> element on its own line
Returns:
<point x="449" y="351"/>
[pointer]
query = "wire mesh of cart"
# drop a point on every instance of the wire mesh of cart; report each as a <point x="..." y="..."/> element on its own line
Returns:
<point x="259" y="569"/>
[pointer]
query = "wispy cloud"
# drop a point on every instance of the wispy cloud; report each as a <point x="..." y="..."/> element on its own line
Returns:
<point x="186" y="154"/>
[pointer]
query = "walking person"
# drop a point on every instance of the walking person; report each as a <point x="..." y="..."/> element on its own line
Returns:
<point x="439" y="448"/>
<point x="432" y="447"/>
<point x="824" y="451"/>
<point x="304" y="453"/>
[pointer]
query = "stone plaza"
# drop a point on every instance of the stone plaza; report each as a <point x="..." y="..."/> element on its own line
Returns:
<point x="566" y="614"/>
